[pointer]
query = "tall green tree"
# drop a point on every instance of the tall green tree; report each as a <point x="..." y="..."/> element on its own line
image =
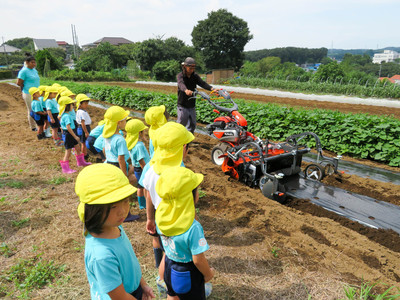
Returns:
<point x="221" y="39"/>
<point x="52" y="63"/>
<point x="105" y="57"/>
<point x="25" y="44"/>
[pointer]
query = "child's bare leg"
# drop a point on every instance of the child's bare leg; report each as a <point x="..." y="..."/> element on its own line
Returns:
<point x="77" y="149"/>
<point x="172" y="297"/>
<point x="40" y="129"/>
<point x="161" y="268"/>
<point x="67" y="154"/>
<point x="84" y="149"/>
<point x="54" y="133"/>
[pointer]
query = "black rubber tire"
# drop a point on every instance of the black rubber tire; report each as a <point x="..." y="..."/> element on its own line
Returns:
<point x="217" y="151"/>
<point x="314" y="172"/>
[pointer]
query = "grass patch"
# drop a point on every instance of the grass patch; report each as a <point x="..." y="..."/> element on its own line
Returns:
<point x="15" y="184"/>
<point x="202" y="193"/>
<point x="59" y="180"/>
<point x="5" y="250"/>
<point x="28" y="275"/>
<point x="26" y="200"/>
<point x="4" y="174"/>
<point x="21" y="223"/>
<point x="365" y="292"/>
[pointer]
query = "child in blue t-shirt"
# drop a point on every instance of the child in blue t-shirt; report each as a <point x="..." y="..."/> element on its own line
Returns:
<point x="52" y="112"/>
<point x="37" y="113"/>
<point x="115" y="148"/>
<point x="138" y="153"/>
<point x="46" y="127"/>
<point x="94" y="134"/>
<point x="71" y="140"/>
<point x="112" y="268"/>
<point x="186" y="267"/>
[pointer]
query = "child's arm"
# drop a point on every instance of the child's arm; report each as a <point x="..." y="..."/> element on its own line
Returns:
<point x="73" y="133"/>
<point x="84" y="128"/>
<point x="147" y="291"/>
<point x="142" y="163"/>
<point x="119" y="293"/>
<point x="201" y="263"/>
<point x="50" y="116"/>
<point x="122" y="164"/>
<point x="150" y="212"/>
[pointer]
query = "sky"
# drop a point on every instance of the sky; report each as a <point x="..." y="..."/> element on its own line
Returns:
<point x="340" y="24"/>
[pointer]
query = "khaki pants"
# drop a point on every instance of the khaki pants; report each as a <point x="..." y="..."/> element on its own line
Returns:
<point x="28" y="100"/>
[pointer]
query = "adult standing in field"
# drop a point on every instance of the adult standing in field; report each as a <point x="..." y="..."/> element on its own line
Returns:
<point x="187" y="82"/>
<point x="28" y="77"/>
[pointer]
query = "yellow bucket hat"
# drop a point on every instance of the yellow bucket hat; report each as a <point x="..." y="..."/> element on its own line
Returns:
<point x="132" y="128"/>
<point x="101" y="184"/>
<point x="113" y="115"/>
<point x="42" y="88"/>
<point x="168" y="144"/>
<point x="66" y="92"/>
<point x="50" y="89"/>
<point x="33" y="90"/>
<point x="56" y="85"/>
<point x="79" y="98"/>
<point x="63" y="101"/>
<point x="175" y="213"/>
<point x="155" y="117"/>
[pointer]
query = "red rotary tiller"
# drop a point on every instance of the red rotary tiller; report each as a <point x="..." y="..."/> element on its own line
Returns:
<point x="256" y="162"/>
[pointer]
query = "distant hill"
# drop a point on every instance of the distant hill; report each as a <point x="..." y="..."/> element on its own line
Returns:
<point x="339" y="53"/>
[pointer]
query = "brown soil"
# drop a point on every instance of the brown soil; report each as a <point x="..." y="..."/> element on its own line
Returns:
<point x="260" y="249"/>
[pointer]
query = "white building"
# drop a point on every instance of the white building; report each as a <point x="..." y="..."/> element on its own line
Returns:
<point x="387" y="56"/>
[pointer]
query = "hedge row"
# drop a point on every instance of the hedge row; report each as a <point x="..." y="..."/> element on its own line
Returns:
<point x="358" y="135"/>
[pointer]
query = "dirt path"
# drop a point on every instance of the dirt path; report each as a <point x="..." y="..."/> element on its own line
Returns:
<point x="260" y="248"/>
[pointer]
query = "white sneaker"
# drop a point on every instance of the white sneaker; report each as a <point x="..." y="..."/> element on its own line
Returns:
<point x="162" y="287"/>
<point x="208" y="288"/>
<point x="47" y="133"/>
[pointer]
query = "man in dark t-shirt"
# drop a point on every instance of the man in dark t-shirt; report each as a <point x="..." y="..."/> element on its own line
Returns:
<point x="187" y="82"/>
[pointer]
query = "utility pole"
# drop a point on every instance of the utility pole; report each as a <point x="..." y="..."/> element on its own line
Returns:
<point x="5" y="54"/>
<point x="75" y="41"/>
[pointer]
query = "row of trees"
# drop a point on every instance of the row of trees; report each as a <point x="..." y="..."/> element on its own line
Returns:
<point x="353" y="68"/>
<point x="289" y="54"/>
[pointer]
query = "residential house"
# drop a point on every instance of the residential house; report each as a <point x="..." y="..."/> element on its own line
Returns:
<point x="62" y="44"/>
<point x="116" y="41"/>
<point x="41" y="44"/>
<point x="394" y="79"/>
<point x="7" y="49"/>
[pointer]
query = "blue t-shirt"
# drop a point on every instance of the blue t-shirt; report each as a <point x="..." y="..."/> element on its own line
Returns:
<point x="151" y="148"/>
<point x="115" y="146"/>
<point x="52" y="105"/>
<point x="65" y="120"/>
<point x="99" y="143"/>
<point x="72" y="114"/>
<point x="37" y="106"/>
<point x="110" y="262"/>
<point x="30" y="77"/>
<point x="139" y="152"/>
<point x="181" y="248"/>
<point x="97" y="131"/>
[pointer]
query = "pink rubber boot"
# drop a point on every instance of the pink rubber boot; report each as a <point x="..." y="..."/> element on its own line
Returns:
<point x="80" y="161"/>
<point x="65" y="167"/>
